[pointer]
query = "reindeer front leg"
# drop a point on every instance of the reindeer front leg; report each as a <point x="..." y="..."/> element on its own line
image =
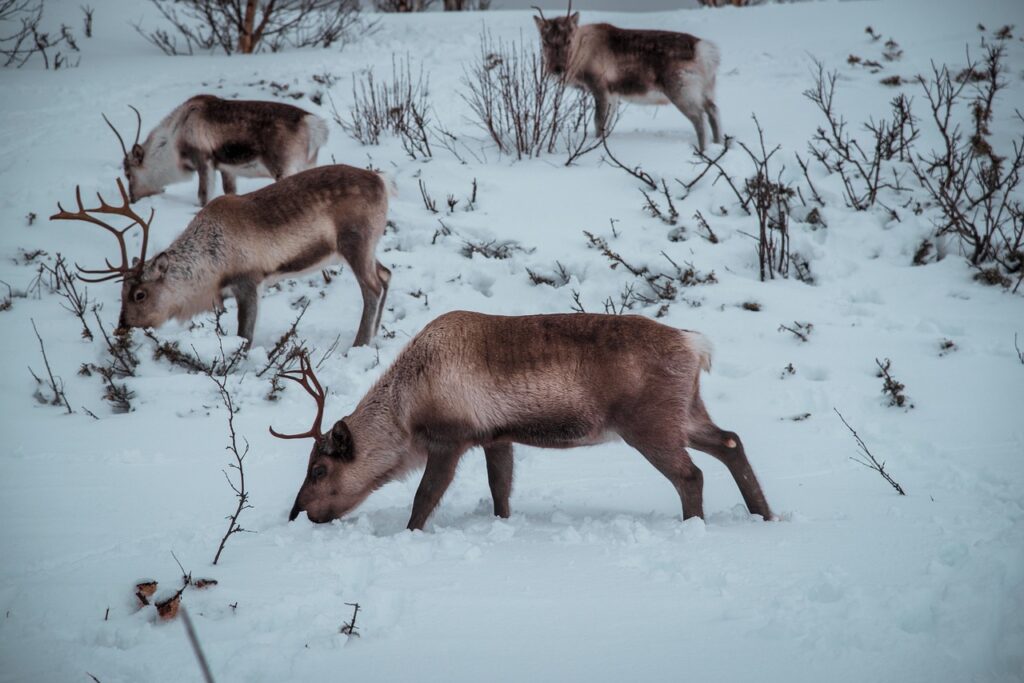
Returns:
<point x="602" y="107"/>
<point x="441" y="463"/>
<point x="499" y="476"/>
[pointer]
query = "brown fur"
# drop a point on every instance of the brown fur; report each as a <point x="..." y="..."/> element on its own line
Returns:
<point x="240" y="242"/>
<point x="551" y="381"/>
<point x="236" y="137"/>
<point x="653" y="67"/>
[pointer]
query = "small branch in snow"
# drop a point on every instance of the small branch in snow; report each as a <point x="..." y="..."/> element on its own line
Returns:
<point x="56" y="384"/>
<point x="637" y="172"/>
<point x="349" y="628"/>
<point x="1020" y="354"/>
<point x="868" y="460"/>
<point x="801" y="330"/>
<point x="892" y="387"/>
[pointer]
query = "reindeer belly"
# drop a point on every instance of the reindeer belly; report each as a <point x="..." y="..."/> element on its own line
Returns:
<point x="240" y="159"/>
<point x="651" y="97"/>
<point x="310" y="258"/>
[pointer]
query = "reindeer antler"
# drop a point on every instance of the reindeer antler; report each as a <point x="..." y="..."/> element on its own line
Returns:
<point x="540" y="12"/>
<point x="125" y="210"/>
<point x="138" y="129"/>
<point x="569" y="10"/>
<point x="306" y="378"/>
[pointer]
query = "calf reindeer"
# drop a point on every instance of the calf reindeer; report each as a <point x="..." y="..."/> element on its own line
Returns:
<point x="236" y="137"/>
<point x="551" y="381"/>
<point x="650" y="67"/>
<point x="238" y="243"/>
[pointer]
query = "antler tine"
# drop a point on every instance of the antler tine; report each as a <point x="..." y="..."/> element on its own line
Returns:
<point x="568" y="12"/>
<point x="119" y="138"/>
<point x="138" y="118"/>
<point x="306" y="378"/>
<point x="540" y="12"/>
<point x="125" y="210"/>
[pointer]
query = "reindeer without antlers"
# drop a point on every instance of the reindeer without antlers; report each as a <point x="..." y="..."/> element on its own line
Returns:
<point x="206" y="134"/>
<point x="550" y="381"/>
<point x="238" y="243"/>
<point x="647" y="67"/>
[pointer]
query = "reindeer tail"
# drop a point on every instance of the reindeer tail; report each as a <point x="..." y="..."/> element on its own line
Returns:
<point x="701" y="347"/>
<point x="317" y="134"/>
<point x="708" y="58"/>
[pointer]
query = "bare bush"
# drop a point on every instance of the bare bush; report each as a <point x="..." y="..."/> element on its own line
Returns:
<point x="650" y="286"/>
<point x="864" y="172"/>
<point x="21" y="37"/>
<point x="466" y="5"/>
<point x="399" y="106"/>
<point x="523" y="111"/>
<point x="402" y="6"/>
<point x="769" y="198"/>
<point x="249" y="26"/>
<point x="241" y="493"/>
<point x="975" y="189"/>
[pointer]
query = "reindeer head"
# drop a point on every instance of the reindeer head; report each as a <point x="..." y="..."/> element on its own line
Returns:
<point x="142" y="180"/>
<point x="556" y="37"/>
<point x="146" y="299"/>
<point x="143" y="304"/>
<point x="340" y="474"/>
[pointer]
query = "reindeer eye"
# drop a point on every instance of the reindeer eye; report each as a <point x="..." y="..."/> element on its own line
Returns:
<point x="139" y="296"/>
<point x="318" y="472"/>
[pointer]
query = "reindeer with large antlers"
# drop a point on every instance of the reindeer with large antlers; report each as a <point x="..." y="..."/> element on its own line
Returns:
<point x="206" y="134"/>
<point x="647" y="67"/>
<point x="236" y="244"/>
<point x="551" y="381"/>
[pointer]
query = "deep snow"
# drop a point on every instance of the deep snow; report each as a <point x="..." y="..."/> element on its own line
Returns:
<point x="594" y="576"/>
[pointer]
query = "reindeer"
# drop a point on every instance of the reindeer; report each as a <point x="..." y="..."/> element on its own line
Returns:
<point x="649" y="67"/>
<point x="550" y="381"/>
<point x="236" y="137"/>
<point x="238" y="243"/>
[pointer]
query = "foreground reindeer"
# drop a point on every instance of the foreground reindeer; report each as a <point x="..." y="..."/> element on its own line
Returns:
<point x="552" y="381"/>
<point x="236" y="137"/>
<point x="238" y="243"/>
<point x="650" y="67"/>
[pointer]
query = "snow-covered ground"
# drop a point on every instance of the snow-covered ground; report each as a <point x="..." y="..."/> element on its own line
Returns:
<point x="594" y="577"/>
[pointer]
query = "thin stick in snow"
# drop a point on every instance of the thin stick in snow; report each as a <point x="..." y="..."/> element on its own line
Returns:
<point x="869" y="460"/>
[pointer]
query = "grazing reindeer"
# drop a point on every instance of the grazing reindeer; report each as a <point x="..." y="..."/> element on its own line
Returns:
<point x="551" y="381"/>
<point x="236" y="137"/>
<point x="238" y="243"/>
<point x="650" y="67"/>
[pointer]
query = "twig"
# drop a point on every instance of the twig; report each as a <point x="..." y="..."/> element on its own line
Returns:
<point x="58" y="391"/>
<point x="1020" y="353"/>
<point x="350" y="628"/>
<point x="802" y="330"/>
<point x="200" y="657"/>
<point x="428" y="201"/>
<point x="868" y="460"/>
<point x="637" y="172"/>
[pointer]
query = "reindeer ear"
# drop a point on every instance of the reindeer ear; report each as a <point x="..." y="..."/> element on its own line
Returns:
<point x="540" y="22"/>
<point x="138" y="154"/>
<point x="575" y="19"/>
<point x="159" y="266"/>
<point x="344" y="447"/>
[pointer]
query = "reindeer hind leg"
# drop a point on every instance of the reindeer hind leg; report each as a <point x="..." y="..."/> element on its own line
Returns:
<point x="685" y="94"/>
